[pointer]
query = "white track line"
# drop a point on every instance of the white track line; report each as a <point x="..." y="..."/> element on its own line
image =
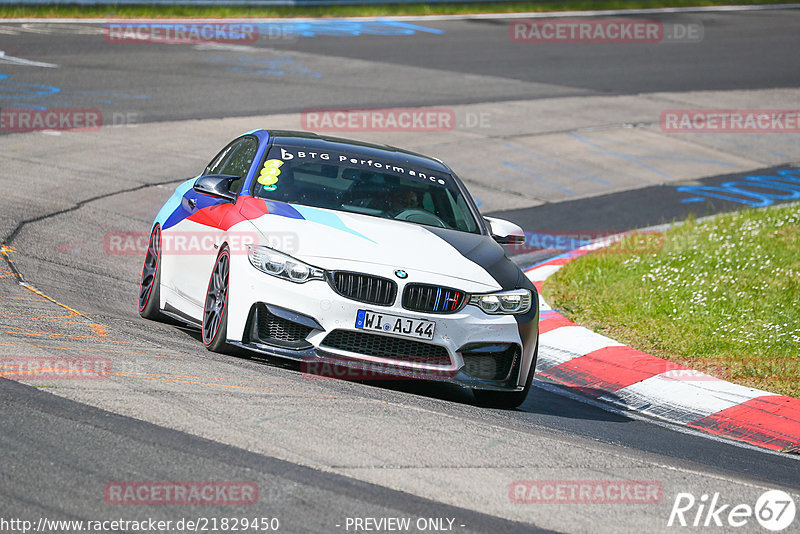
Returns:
<point x="563" y="391"/>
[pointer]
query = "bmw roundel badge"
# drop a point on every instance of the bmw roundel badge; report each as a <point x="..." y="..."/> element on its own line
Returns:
<point x="400" y="273"/>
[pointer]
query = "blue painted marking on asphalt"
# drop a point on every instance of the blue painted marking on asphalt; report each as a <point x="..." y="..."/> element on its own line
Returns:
<point x="112" y="95"/>
<point x="552" y="185"/>
<point x="710" y="191"/>
<point x="292" y="29"/>
<point x="344" y="28"/>
<point x="65" y="104"/>
<point x="786" y="183"/>
<point x="271" y="67"/>
<point x="580" y="173"/>
<point x="39" y="96"/>
<point x="627" y="157"/>
<point x="30" y="91"/>
<point x="28" y="105"/>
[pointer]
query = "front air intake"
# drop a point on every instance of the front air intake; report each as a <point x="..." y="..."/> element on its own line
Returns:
<point x="390" y="348"/>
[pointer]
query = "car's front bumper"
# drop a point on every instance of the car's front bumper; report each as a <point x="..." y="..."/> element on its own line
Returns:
<point x="476" y="350"/>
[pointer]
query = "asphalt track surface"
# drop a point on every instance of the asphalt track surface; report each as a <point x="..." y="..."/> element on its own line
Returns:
<point x="463" y="62"/>
<point x="320" y="451"/>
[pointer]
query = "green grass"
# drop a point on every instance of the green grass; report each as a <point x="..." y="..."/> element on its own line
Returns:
<point x="722" y="297"/>
<point x="219" y="11"/>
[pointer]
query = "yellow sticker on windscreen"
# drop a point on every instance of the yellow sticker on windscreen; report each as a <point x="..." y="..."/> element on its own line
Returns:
<point x="269" y="174"/>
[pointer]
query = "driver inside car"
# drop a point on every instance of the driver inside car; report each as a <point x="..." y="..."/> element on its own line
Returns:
<point x="403" y="200"/>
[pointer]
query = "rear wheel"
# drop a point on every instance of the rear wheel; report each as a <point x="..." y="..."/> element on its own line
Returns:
<point x="507" y="400"/>
<point x="215" y="309"/>
<point x="150" y="283"/>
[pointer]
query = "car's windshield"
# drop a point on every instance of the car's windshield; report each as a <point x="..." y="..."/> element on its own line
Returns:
<point x="358" y="184"/>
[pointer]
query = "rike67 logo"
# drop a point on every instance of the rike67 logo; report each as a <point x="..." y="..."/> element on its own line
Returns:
<point x="774" y="510"/>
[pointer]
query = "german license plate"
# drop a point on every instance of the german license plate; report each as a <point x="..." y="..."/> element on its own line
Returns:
<point x="393" y="324"/>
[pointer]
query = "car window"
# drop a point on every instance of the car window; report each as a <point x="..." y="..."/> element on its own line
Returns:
<point x="461" y="214"/>
<point x="356" y="184"/>
<point x="235" y="160"/>
<point x="239" y="162"/>
<point x="216" y="164"/>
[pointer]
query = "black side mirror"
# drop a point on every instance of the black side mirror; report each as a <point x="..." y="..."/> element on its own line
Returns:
<point x="216" y="185"/>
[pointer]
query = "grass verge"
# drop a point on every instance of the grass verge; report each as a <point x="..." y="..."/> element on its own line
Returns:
<point x="721" y="296"/>
<point x="221" y="11"/>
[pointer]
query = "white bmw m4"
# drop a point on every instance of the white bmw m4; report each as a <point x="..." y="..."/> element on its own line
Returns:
<point x="337" y="252"/>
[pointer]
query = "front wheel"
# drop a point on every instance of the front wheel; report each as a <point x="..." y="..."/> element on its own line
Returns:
<point x="150" y="283"/>
<point x="215" y="309"/>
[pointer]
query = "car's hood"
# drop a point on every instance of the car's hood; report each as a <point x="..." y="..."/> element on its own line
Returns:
<point x="330" y="239"/>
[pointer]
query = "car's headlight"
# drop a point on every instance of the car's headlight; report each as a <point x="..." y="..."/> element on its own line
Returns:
<point x="504" y="302"/>
<point x="282" y="265"/>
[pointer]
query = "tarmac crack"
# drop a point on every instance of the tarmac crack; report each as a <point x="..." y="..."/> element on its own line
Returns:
<point x="6" y="248"/>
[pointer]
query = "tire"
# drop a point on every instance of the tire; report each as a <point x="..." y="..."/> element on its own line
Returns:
<point x="150" y="282"/>
<point x="215" y="306"/>
<point x="507" y="400"/>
